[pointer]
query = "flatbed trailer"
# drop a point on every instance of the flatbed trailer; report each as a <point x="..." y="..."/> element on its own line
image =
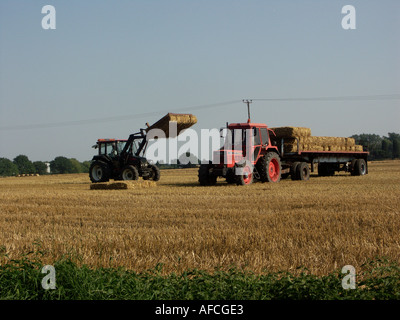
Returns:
<point x="328" y="163"/>
<point x="259" y="155"/>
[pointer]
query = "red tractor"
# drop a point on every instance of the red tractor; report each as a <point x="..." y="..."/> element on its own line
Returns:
<point x="248" y="154"/>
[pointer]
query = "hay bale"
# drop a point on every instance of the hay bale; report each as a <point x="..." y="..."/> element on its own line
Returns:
<point x="350" y="142"/>
<point x="183" y="121"/>
<point x="123" y="185"/>
<point x="109" y="186"/>
<point x="291" y="132"/>
<point x="358" y="148"/>
<point x="290" y="147"/>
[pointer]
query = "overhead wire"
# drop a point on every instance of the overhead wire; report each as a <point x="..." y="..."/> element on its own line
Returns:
<point x="199" y="107"/>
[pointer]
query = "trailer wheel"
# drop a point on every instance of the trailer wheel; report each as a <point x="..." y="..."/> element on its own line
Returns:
<point x="130" y="173"/>
<point x="293" y="171"/>
<point x="205" y="178"/>
<point x="303" y="171"/>
<point x="269" y="167"/>
<point x="360" y="167"/>
<point x="99" y="172"/>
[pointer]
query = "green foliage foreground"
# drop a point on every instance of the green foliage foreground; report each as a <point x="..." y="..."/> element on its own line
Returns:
<point x="22" y="279"/>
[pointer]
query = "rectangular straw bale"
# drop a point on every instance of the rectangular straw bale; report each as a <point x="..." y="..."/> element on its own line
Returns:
<point x="358" y="148"/>
<point x="183" y="121"/>
<point x="350" y="142"/>
<point x="291" y="132"/>
<point x="109" y="186"/>
<point x="290" y="147"/>
<point x="123" y="185"/>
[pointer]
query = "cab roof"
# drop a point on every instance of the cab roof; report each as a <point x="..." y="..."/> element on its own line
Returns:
<point x="246" y="125"/>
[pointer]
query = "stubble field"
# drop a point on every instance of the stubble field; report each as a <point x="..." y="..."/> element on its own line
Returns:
<point x="321" y="224"/>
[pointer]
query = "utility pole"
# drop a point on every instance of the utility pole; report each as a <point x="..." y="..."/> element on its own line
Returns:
<point x="248" y="108"/>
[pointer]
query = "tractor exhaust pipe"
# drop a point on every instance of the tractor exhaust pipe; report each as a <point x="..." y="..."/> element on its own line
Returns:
<point x="248" y="109"/>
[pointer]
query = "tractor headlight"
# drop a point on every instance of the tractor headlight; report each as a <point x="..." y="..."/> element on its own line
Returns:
<point x="143" y="163"/>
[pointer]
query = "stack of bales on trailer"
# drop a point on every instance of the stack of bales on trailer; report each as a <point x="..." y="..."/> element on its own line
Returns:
<point x="300" y="139"/>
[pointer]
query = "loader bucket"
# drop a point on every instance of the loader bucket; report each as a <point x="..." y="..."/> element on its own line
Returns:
<point x="183" y="121"/>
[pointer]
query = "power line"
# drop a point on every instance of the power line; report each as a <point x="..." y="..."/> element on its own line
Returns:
<point x="199" y="107"/>
<point x="110" y="119"/>
<point x="339" y="98"/>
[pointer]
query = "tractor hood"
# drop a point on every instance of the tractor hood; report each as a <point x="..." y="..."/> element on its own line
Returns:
<point x="227" y="157"/>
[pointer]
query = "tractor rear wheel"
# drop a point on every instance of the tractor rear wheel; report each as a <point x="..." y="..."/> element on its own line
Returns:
<point x="130" y="172"/>
<point x="269" y="167"/>
<point x="99" y="172"/>
<point x="303" y="171"/>
<point x="205" y="178"/>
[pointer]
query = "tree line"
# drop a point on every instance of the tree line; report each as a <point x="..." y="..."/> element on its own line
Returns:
<point x="380" y="147"/>
<point x="22" y="165"/>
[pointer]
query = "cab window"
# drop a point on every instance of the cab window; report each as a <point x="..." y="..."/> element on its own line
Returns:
<point x="256" y="137"/>
<point x="102" y="149"/>
<point x="264" y="135"/>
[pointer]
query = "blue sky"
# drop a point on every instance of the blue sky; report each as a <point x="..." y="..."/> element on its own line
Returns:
<point x="119" y="60"/>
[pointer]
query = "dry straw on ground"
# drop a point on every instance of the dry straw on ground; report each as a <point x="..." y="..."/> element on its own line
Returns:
<point x="322" y="224"/>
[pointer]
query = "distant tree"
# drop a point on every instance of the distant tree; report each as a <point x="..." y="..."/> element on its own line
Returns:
<point x="76" y="166"/>
<point x="24" y="164"/>
<point x="8" y="168"/>
<point x="61" y="165"/>
<point x="370" y="141"/>
<point x="396" y="148"/>
<point x="386" y="148"/>
<point x="40" y="167"/>
<point x="85" y="166"/>
<point x="393" y="136"/>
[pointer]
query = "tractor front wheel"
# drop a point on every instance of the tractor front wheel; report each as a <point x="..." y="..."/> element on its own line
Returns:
<point x="205" y="178"/>
<point x="244" y="174"/>
<point x="130" y="173"/>
<point x="155" y="172"/>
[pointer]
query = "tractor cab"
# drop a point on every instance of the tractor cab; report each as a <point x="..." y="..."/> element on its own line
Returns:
<point x="110" y="147"/>
<point x="242" y="141"/>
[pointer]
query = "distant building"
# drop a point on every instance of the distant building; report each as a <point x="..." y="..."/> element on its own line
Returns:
<point x="48" y="167"/>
